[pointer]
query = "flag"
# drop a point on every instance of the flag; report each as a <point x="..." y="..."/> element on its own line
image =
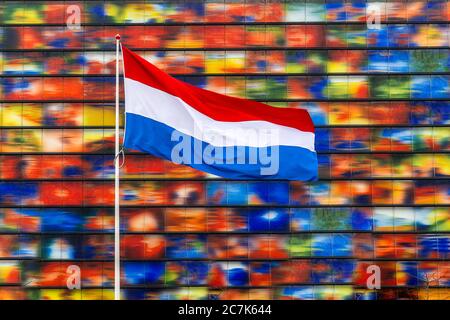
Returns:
<point x="226" y="136"/>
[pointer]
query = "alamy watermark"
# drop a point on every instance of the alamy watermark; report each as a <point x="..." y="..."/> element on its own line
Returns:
<point x="73" y="20"/>
<point x="373" y="16"/>
<point x="74" y="278"/>
<point x="374" y="279"/>
<point x="240" y="146"/>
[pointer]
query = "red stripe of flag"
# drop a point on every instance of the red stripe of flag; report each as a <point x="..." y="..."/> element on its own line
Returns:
<point x="214" y="105"/>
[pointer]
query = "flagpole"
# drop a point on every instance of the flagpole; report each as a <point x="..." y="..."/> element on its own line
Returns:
<point x="116" y="186"/>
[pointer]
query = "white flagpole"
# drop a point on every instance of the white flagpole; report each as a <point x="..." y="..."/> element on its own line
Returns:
<point x="116" y="186"/>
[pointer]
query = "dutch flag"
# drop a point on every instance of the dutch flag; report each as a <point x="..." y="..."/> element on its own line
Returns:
<point x="225" y="136"/>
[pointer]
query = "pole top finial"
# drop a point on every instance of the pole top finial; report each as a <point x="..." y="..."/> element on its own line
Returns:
<point x="117" y="36"/>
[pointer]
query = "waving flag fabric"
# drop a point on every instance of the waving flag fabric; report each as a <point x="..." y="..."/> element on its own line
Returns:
<point x="225" y="136"/>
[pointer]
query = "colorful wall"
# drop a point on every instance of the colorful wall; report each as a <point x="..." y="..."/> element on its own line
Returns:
<point x="379" y="96"/>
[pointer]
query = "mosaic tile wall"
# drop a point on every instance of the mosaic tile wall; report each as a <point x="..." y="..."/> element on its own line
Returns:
<point x="379" y="95"/>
